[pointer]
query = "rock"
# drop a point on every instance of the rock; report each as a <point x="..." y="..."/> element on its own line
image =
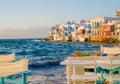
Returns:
<point x="77" y="54"/>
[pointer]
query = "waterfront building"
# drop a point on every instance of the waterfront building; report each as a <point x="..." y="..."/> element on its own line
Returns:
<point x="74" y="33"/>
<point x="84" y="31"/>
<point x="95" y="34"/>
<point x="116" y="33"/>
<point x="116" y="22"/>
<point x="54" y="33"/>
<point x="117" y="13"/>
<point x="118" y="26"/>
<point x="60" y="29"/>
<point x="96" y="22"/>
<point x="97" y="27"/>
<point x="106" y="31"/>
<point x="87" y="30"/>
<point x="81" y="34"/>
<point x="71" y="30"/>
<point x="67" y="32"/>
<point x="54" y="29"/>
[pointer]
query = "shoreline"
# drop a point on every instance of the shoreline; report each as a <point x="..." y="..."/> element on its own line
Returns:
<point x="50" y="76"/>
<point x="57" y="76"/>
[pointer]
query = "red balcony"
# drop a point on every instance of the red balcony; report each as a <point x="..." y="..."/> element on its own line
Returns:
<point x="107" y="28"/>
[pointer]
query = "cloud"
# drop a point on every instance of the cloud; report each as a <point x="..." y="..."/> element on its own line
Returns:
<point x="31" y="32"/>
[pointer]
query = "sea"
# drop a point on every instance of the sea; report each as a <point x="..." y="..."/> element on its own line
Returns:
<point x="45" y="57"/>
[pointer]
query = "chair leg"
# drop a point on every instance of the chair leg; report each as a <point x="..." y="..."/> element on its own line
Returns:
<point x="2" y="80"/>
<point x="24" y="76"/>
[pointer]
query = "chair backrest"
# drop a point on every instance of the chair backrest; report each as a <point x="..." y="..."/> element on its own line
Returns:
<point x="7" y="58"/>
<point x="82" y="58"/>
<point x="13" y="68"/>
<point x="111" y="50"/>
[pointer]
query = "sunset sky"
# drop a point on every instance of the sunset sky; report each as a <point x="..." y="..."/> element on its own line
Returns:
<point x="33" y="18"/>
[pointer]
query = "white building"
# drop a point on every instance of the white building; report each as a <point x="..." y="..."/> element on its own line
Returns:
<point x="96" y="22"/>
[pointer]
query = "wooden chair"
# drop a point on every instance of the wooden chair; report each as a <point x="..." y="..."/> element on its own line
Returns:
<point x="7" y="58"/>
<point x="8" y="68"/>
<point x="111" y="51"/>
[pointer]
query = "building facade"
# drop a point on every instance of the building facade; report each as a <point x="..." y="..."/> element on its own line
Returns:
<point x="101" y="25"/>
<point x="95" y="29"/>
<point x="106" y="31"/>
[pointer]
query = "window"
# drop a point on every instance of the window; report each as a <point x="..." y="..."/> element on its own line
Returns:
<point x="97" y="25"/>
<point x="98" y="32"/>
<point x="118" y="33"/>
<point x="100" y="23"/>
<point x="107" y="33"/>
<point x="76" y="28"/>
<point x="92" y="24"/>
<point x="113" y="33"/>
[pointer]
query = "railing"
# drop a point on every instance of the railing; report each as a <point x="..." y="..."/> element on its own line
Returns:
<point x="104" y="68"/>
<point x="76" y="74"/>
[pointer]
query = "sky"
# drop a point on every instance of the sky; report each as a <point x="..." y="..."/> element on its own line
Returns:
<point x="33" y="18"/>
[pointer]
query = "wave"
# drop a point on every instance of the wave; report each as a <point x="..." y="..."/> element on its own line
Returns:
<point x="44" y="54"/>
<point x="36" y="40"/>
<point x="43" y="64"/>
<point x="44" y="61"/>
